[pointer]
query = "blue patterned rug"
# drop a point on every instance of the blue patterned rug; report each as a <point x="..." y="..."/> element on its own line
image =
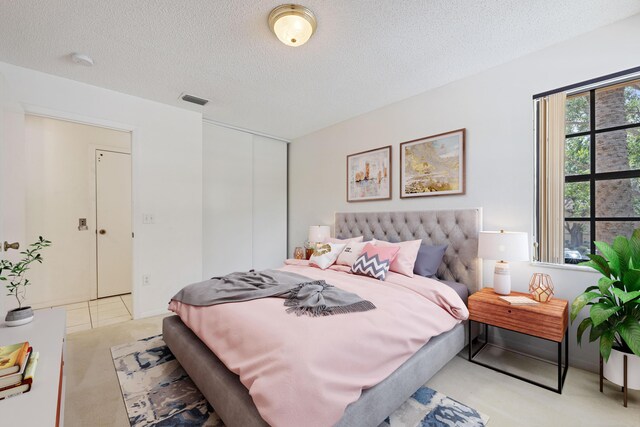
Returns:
<point x="158" y="392"/>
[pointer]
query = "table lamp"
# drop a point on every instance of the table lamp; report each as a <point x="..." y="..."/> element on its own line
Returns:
<point x="318" y="234"/>
<point x="503" y="246"/>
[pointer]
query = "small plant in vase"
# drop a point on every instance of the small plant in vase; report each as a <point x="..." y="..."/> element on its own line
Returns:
<point x="614" y="313"/>
<point x="13" y="274"/>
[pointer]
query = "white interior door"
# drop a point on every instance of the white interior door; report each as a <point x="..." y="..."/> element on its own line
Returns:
<point x="113" y="221"/>
<point x="12" y="188"/>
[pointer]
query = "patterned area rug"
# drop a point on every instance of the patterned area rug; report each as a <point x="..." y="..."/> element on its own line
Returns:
<point x="158" y="392"/>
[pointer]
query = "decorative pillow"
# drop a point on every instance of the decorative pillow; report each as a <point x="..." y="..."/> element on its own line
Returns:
<point x="325" y="255"/>
<point x="375" y="261"/>
<point x="353" y="239"/>
<point x="350" y="253"/>
<point x="406" y="258"/>
<point x="429" y="259"/>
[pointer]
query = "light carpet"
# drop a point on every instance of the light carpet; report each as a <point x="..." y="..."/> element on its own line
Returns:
<point x="157" y="391"/>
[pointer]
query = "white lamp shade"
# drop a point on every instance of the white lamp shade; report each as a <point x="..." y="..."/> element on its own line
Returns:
<point x="503" y="245"/>
<point x="319" y="233"/>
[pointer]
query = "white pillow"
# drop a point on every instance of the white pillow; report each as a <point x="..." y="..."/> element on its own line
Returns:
<point x="351" y="253"/>
<point x="326" y="255"/>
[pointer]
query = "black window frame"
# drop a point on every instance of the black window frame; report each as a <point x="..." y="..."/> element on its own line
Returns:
<point x="593" y="177"/>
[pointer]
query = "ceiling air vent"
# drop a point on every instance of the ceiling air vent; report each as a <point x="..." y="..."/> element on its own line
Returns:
<point x="194" y="99"/>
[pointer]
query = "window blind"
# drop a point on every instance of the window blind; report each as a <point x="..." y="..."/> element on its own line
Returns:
<point x="551" y="135"/>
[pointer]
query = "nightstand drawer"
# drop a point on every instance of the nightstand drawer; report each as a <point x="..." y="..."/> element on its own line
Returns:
<point x="545" y="320"/>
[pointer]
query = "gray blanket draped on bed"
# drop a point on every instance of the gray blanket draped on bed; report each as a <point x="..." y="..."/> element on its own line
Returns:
<point x="303" y="295"/>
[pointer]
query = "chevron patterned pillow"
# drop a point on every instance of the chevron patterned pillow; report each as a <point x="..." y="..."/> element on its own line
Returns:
<point x="375" y="261"/>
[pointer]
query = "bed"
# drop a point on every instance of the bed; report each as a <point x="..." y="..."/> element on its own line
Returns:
<point x="457" y="228"/>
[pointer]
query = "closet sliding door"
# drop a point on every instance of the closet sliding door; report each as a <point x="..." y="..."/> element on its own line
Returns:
<point x="244" y="201"/>
<point x="269" y="203"/>
<point x="227" y="170"/>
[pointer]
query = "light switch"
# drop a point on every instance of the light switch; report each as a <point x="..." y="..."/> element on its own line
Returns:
<point x="82" y="224"/>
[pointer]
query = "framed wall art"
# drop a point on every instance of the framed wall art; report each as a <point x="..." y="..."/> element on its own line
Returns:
<point x="369" y="175"/>
<point x="433" y="166"/>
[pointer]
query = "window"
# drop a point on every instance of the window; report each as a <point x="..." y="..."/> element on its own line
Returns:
<point x="600" y="176"/>
<point x="602" y="167"/>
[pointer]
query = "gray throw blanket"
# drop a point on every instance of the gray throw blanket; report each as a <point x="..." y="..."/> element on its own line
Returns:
<point x="303" y="295"/>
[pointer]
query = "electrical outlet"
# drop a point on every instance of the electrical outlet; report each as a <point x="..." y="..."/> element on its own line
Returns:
<point x="145" y="280"/>
<point x="148" y="218"/>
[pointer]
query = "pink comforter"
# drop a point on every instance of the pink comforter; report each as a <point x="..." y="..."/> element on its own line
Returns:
<point x="304" y="371"/>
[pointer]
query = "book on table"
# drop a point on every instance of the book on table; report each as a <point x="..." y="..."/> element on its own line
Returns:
<point x="16" y="378"/>
<point x="27" y="381"/>
<point x="13" y="358"/>
<point x="518" y="300"/>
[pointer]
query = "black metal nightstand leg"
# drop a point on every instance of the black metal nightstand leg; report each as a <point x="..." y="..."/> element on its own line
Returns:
<point x="562" y="367"/>
<point x="566" y="358"/>
<point x="470" y="341"/>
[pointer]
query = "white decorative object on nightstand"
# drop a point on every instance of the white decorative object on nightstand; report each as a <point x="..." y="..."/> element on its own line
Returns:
<point x="503" y="246"/>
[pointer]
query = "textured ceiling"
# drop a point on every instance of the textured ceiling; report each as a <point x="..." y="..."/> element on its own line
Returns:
<point x="365" y="54"/>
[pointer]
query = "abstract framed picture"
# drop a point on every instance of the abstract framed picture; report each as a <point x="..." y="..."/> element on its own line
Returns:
<point x="369" y="175"/>
<point x="433" y="166"/>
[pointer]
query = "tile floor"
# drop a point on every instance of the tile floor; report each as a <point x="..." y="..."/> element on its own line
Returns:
<point x="95" y="313"/>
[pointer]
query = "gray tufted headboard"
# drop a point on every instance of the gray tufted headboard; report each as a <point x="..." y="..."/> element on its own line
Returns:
<point x="457" y="228"/>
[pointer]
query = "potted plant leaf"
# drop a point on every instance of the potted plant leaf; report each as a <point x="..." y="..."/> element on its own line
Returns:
<point x="614" y="308"/>
<point x="13" y="274"/>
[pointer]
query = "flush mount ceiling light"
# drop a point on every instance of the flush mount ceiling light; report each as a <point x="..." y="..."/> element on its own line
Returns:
<point x="292" y="24"/>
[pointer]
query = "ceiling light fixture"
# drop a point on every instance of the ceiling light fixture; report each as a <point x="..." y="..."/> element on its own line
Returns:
<point x="292" y="24"/>
<point x="82" y="59"/>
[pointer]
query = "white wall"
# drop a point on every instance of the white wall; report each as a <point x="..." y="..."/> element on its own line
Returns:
<point x="167" y="175"/>
<point x="244" y="201"/>
<point x="496" y="109"/>
<point x="61" y="187"/>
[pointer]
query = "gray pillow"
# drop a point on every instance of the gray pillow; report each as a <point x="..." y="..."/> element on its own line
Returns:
<point x="429" y="259"/>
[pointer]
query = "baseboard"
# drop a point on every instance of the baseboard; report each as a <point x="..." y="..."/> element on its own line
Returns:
<point x="152" y="313"/>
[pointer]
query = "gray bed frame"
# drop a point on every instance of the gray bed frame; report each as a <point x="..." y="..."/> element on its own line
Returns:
<point x="457" y="228"/>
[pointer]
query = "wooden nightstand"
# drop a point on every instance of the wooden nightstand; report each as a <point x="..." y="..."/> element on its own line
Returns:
<point x="547" y="321"/>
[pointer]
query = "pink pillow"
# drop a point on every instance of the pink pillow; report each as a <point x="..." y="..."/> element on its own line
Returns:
<point x="406" y="258"/>
<point x="375" y="261"/>
<point x="353" y="239"/>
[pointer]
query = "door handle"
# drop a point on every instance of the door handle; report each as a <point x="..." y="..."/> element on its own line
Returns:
<point x="14" y="245"/>
<point x="102" y="231"/>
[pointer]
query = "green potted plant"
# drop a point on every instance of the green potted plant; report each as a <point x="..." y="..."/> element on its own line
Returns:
<point x="614" y="313"/>
<point x="13" y="274"/>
